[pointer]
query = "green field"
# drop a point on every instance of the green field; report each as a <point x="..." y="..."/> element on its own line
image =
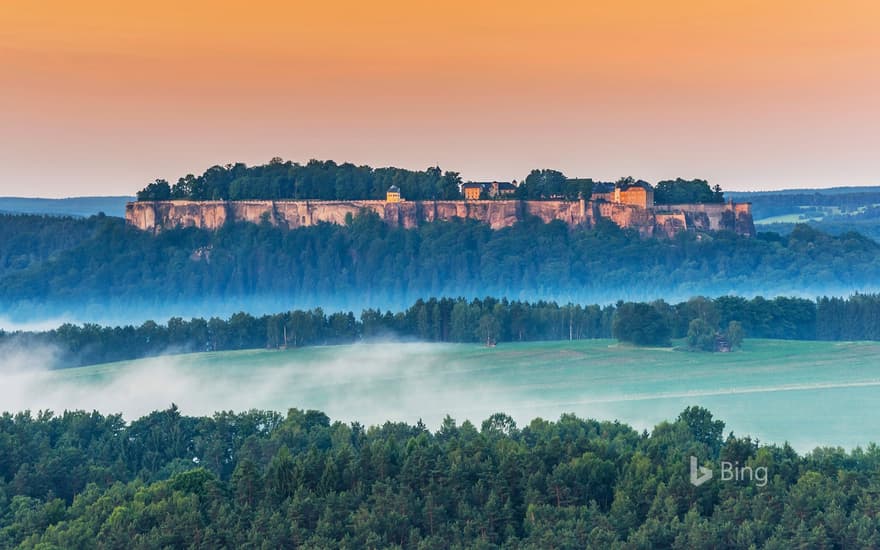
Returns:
<point x="807" y="393"/>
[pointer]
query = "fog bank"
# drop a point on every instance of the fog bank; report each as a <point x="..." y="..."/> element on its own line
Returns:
<point x="760" y="394"/>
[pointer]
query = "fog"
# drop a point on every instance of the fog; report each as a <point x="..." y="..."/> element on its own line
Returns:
<point x="379" y="382"/>
<point x="367" y="383"/>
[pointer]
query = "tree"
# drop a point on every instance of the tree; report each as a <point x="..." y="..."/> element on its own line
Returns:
<point x="500" y="423"/>
<point x="735" y="334"/>
<point x="543" y="184"/>
<point x="699" y="307"/>
<point x="578" y="188"/>
<point x="703" y="427"/>
<point x="701" y="335"/>
<point x="680" y="191"/>
<point x="641" y="324"/>
<point x="159" y="190"/>
<point x="489" y="328"/>
<point x="281" y="475"/>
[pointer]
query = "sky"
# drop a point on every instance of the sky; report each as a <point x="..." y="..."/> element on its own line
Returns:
<point x="101" y="97"/>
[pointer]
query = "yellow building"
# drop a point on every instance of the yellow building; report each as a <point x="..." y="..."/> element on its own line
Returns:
<point x="472" y="191"/>
<point x="393" y="194"/>
<point x="634" y="193"/>
<point x="639" y="194"/>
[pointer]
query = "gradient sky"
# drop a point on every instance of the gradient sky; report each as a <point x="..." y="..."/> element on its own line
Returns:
<point x="101" y="97"/>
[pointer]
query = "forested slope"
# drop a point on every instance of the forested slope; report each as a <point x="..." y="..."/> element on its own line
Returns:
<point x="27" y="240"/>
<point x="263" y="480"/>
<point x="367" y="264"/>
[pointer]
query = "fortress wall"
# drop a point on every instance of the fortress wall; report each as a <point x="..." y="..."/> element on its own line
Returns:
<point x="628" y="216"/>
<point x="705" y="217"/>
<point x="154" y="216"/>
<point x="640" y="219"/>
<point x="497" y="214"/>
<point x="292" y="214"/>
<point x="573" y="213"/>
<point x="141" y="215"/>
<point x="727" y="216"/>
<point x="250" y="210"/>
<point x="745" y="223"/>
<point x="670" y="224"/>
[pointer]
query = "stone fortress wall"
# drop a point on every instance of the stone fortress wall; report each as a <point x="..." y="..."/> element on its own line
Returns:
<point x="660" y="220"/>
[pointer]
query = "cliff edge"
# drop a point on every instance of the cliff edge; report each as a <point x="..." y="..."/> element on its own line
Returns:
<point x="661" y="220"/>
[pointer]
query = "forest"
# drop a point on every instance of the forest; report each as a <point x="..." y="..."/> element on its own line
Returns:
<point x="99" y="265"/>
<point x="488" y="321"/>
<point x="260" y="479"/>
<point x="680" y="191"/>
<point x="327" y="180"/>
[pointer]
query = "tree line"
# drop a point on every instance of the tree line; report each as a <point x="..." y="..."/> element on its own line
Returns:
<point x="327" y="180"/>
<point x="260" y="479"/>
<point x="681" y="191"/>
<point x="698" y="322"/>
<point x="321" y="180"/>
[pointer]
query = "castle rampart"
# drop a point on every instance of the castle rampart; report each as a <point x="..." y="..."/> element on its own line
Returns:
<point x="155" y="216"/>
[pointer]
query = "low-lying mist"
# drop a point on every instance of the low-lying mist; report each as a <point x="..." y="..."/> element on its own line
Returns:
<point x="759" y="392"/>
<point x="369" y="383"/>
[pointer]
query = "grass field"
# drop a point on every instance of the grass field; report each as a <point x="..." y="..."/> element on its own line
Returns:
<point x="807" y="393"/>
<point x="786" y="218"/>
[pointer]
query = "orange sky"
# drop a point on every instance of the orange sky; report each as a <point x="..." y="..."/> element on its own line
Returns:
<point x="101" y="97"/>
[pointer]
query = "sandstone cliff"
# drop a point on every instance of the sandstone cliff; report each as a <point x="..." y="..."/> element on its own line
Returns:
<point x="155" y="216"/>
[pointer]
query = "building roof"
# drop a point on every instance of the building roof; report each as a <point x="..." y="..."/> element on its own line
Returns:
<point x="641" y="183"/>
<point x="394" y="189"/>
<point x="502" y="185"/>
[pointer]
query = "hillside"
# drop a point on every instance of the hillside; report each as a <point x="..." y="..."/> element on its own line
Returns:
<point x="74" y="206"/>
<point x="121" y="273"/>
<point x="261" y="479"/>
<point x="834" y="210"/>
<point x="29" y="240"/>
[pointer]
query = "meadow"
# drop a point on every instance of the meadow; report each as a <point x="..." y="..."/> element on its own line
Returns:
<point x="806" y="393"/>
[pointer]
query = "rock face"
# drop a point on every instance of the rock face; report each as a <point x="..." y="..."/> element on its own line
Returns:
<point x="666" y="220"/>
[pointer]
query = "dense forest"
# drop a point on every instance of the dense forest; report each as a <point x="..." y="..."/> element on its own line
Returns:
<point x="26" y="240"/>
<point x="327" y="180"/>
<point x="100" y="266"/>
<point x="263" y="480"/>
<point x="680" y="191"/>
<point x="697" y="321"/>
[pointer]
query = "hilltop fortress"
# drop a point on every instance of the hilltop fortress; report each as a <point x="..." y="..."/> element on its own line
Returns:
<point x="629" y="208"/>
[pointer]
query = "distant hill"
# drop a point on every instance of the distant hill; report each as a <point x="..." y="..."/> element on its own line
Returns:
<point x="737" y="195"/>
<point x="81" y="207"/>
<point x="835" y="210"/>
<point x="807" y="204"/>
